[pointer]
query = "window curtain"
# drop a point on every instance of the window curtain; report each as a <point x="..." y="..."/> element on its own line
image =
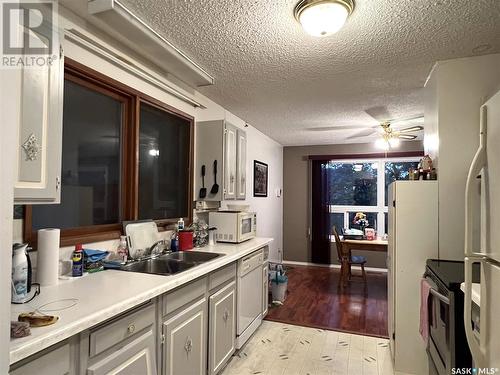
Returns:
<point x="321" y="228"/>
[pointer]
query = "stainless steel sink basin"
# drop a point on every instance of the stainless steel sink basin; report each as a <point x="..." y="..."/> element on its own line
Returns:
<point x="170" y="264"/>
<point x="192" y="256"/>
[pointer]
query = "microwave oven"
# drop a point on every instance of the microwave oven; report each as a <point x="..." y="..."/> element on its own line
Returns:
<point x="233" y="226"/>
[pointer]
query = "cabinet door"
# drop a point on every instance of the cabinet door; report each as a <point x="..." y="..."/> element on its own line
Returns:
<point x="40" y="92"/>
<point x="137" y="357"/>
<point x="51" y="362"/>
<point x="184" y="349"/>
<point x="241" y="173"/>
<point x="230" y="161"/>
<point x="265" y="290"/>
<point x="222" y="328"/>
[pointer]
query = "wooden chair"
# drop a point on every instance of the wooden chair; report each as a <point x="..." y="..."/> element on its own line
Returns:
<point x="347" y="260"/>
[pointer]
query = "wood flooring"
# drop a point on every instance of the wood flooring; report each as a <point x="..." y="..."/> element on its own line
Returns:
<point x="315" y="300"/>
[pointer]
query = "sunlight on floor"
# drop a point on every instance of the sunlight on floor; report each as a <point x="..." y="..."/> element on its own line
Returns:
<point x="279" y="349"/>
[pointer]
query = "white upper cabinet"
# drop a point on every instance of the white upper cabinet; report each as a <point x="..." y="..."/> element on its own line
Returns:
<point x="241" y="171"/>
<point x="221" y="141"/>
<point x="230" y="162"/>
<point x="39" y="122"/>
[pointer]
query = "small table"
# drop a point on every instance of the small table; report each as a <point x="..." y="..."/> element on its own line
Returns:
<point x="373" y="245"/>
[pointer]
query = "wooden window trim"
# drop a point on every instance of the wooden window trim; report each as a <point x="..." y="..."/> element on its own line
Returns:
<point x="87" y="77"/>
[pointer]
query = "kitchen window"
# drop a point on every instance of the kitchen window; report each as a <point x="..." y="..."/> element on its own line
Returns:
<point x="362" y="186"/>
<point x="126" y="156"/>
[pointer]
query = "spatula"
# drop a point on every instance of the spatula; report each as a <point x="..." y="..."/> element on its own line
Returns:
<point x="215" y="186"/>
<point x="203" y="190"/>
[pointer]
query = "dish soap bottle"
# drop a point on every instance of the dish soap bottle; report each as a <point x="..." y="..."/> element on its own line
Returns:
<point x="122" y="249"/>
<point x="78" y="261"/>
<point x="180" y="224"/>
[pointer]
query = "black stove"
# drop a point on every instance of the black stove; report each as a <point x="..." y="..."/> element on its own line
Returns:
<point x="447" y="346"/>
<point x="450" y="273"/>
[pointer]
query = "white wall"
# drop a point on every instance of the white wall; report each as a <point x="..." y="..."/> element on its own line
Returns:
<point x="454" y="92"/>
<point x="7" y="151"/>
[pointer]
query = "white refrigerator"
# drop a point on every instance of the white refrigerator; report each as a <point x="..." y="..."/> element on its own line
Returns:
<point x="413" y="238"/>
<point x="485" y="344"/>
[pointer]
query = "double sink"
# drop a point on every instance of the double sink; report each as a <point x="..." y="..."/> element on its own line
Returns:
<point x="171" y="263"/>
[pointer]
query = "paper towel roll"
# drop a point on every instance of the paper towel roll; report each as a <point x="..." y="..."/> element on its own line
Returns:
<point x="48" y="256"/>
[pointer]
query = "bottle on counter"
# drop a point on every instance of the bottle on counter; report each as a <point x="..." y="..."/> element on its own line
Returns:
<point x="122" y="249"/>
<point x="180" y="224"/>
<point x="78" y="261"/>
<point x="174" y="241"/>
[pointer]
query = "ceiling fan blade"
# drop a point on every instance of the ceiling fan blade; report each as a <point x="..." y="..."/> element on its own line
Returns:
<point x="406" y="136"/>
<point x="380" y="113"/>
<point x="363" y="133"/>
<point x="418" y="119"/>
<point x="410" y="130"/>
<point x="334" y="128"/>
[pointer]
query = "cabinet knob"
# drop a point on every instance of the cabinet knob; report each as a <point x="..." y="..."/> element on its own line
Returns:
<point x="225" y="316"/>
<point x="189" y="345"/>
<point x="131" y="328"/>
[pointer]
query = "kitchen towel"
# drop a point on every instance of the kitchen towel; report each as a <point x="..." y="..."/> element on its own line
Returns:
<point x="48" y="257"/>
<point x="94" y="255"/>
<point x="425" y="289"/>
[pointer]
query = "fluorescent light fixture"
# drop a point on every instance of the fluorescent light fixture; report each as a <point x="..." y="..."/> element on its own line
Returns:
<point x="323" y="17"/>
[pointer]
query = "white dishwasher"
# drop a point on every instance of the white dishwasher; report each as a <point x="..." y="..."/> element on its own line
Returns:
<point x="249" y="296"/>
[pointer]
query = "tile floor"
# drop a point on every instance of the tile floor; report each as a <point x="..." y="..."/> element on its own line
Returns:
<point x="283" y="349"/>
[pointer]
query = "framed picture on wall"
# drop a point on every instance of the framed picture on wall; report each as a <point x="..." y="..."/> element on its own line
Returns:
<point x="260" y="179"/>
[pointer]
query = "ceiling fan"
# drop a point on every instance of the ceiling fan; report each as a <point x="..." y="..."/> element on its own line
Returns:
<point x="389" y="137"/>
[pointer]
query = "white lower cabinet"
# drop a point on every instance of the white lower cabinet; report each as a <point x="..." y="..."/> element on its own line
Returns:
<point x="222" y="327"/>
<point x="184" y="349"/>
<point x="137" y="357"/>
<point x="124" y="345"/>
<point x="52" y="361"/>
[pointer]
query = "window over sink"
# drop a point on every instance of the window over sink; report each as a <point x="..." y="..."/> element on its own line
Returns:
<point x="126" y="156"/>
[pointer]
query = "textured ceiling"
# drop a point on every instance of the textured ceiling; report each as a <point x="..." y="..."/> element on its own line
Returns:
<point x="282" y="81"/>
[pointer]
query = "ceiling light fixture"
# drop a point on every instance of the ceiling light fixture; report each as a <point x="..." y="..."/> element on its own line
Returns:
<point x="323" y="17"/>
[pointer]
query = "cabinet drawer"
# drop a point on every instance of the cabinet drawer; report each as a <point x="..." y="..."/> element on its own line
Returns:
<point x="137" y="357"/>
<point x="219" y="277"/>
<point x="182" y="296"/>
<point x="54" y="362"/>
<point x="105" y="337"/>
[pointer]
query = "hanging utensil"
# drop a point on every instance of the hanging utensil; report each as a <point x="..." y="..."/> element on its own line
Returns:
<point x="203" y="190"/>
<point x="215" y="187"/>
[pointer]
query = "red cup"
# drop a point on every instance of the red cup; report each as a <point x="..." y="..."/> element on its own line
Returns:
<point x="185" y="240"/>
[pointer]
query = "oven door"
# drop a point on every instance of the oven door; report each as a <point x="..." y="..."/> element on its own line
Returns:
<point x="439" y="331"/>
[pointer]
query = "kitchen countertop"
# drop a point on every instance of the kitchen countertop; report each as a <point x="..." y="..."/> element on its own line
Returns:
<point x="103" y="295"/>
<point x="476" y="292"/>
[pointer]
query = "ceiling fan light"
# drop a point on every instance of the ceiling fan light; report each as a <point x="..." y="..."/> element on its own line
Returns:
<point x="323" y="17"/>
<point x="394" y="142"/>
<point x="382" y="144"/>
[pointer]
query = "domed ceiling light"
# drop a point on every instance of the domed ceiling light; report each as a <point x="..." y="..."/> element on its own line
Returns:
<point x="323" y="17"/>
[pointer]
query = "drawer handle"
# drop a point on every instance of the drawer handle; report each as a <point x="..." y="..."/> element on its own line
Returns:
<point x="131" y="328"/>
<point x="189" y="345"/>
<point x="225" y="316"/>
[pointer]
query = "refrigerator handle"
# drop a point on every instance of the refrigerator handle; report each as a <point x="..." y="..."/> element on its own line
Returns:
<point x="477" y="351"/>
<point x="478" y="163"/>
